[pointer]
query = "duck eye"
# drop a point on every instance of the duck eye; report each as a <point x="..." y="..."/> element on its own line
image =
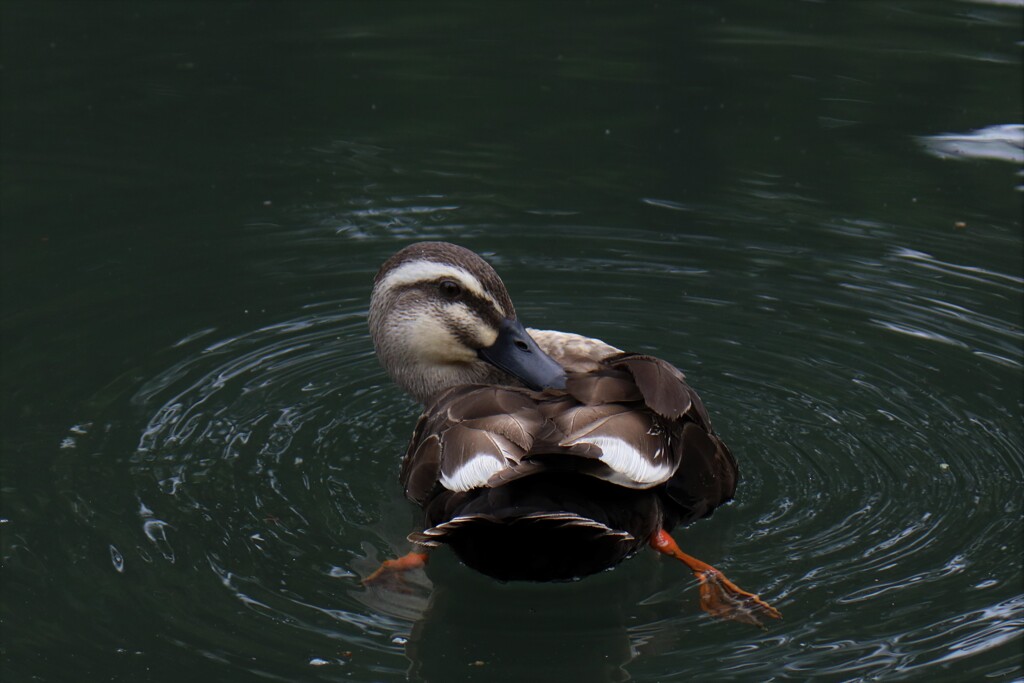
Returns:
<point x="449" y="289"/>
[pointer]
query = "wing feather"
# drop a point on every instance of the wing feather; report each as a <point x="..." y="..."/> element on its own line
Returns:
<point x="633" y="421"/>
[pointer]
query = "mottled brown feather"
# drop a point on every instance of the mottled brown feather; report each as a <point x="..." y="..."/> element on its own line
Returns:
<point x="707" y="472"/>
<point x="639" y="400"/>
<point x="604" y="385"/>
<point x="421" y="468"/>
<point x="663" y="387"/>
<point x="460" y="443"/>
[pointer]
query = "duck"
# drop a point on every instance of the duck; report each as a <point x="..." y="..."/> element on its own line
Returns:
<point x="541" y="455"/>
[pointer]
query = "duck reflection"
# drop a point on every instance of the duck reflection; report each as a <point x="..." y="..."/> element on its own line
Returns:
<point x="471" y="628"/>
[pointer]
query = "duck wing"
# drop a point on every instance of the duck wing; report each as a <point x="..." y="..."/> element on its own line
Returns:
<point x="707" y="472"/>
<point x="633" y="422"/>
<point x="468" y="435"/>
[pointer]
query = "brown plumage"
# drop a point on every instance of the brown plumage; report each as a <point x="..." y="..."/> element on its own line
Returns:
<point x="549" y="445"/>
<point x="541" y="455"/>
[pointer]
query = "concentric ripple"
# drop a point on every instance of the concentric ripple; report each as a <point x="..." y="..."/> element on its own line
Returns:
<point x="245" y="491"/>
<point x="880" y="472"/>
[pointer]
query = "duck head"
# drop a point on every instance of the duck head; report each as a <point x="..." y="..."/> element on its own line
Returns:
<point x="440" y="317"/>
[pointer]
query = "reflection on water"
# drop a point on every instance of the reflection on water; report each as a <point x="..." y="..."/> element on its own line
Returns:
<point x="1004" y="143"/>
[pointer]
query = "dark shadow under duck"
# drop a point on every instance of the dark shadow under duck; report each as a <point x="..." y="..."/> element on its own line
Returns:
<point x="541" y="455"/>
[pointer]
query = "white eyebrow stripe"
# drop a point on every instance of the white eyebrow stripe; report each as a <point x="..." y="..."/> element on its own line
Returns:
<point x="427" y="271"/>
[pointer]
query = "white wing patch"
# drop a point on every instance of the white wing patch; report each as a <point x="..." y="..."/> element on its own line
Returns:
<point x="631" y="468"/>
<point x="474" y="473"/>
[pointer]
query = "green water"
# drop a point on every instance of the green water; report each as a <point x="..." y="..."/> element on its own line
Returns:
<point x="200" y="453"/>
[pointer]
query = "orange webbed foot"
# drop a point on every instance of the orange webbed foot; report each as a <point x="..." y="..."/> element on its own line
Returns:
<point x="389" y="573"/>
<point x="722" y="598"/>
<point x="719" y="596"/>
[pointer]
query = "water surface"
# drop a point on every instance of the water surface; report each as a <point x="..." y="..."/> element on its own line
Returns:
<point x="813" y="209"/>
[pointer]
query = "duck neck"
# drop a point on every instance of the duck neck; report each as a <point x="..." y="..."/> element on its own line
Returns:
<point x="425" y="379"/>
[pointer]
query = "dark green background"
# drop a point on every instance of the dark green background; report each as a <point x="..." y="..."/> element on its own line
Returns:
<point x="200" y="452"/>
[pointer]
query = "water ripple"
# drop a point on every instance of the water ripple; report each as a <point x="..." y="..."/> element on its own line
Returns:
<point x="266" y="461"/>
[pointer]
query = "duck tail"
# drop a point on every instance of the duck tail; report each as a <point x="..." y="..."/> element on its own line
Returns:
<point x="442" y="533"/>
<point x="552" y="545"/>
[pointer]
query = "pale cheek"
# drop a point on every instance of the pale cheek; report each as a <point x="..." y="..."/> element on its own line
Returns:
<point x="433" y="342"/>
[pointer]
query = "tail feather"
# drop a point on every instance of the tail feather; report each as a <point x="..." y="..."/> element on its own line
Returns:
<point x="553" y="526"/>
<point x="439" y="534"/>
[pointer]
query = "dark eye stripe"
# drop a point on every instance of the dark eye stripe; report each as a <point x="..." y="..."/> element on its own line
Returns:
<point x="428" y="290"/>
<point x="481" y="307"/>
